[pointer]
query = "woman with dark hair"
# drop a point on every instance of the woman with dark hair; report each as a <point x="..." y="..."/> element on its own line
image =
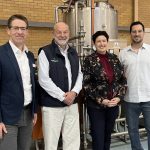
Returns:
<point x="104" y="86"/>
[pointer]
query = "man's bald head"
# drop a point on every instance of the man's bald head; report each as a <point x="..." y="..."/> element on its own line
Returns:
<point x="59" y="25"/>
<point x="61" y="34"/>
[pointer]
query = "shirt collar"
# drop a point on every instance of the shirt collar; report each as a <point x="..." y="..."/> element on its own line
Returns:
<point x="142" y="47"/>
<point x="63" y="50"/>
<point x="15" y="49"/>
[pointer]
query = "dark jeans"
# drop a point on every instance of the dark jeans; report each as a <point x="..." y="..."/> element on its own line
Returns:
<point x="102" y="123"/>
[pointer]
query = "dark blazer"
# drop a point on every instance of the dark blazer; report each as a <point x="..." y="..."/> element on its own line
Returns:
<point x="96" y="83"/>
<point x="11" y="86"/>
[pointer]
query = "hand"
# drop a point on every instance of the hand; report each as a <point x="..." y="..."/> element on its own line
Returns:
<point x="34" y="119"/>
<point x="105" y="102"/>
<point x="114" y="102"/>
<point x="69" y="97"/>
<point x="2" y="130"/>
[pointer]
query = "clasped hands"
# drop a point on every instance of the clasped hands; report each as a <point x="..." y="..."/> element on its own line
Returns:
<point x="111" y="103"/>
<point x="69" y="97"/>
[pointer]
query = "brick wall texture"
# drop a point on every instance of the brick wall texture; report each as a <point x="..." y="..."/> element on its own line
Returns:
<point x="34" y="10"/>
<point x="43" y="11"/>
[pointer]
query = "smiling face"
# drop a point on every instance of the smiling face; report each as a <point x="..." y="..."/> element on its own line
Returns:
<point x="137" y="34"/>
<point x="101" y="44"/>
<point x="61" y="34"/>
<point x="18" y="32"/>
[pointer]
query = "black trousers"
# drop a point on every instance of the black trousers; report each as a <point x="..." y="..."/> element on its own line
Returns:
<point x="102" y="123"/>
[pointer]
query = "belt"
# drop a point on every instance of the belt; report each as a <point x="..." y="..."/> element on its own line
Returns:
<point x="27" y="106"/>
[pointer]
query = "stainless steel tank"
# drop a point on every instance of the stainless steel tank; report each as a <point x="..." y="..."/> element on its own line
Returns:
<point x="105" y="18"/>
<point x="69" y="18"/>
<point x="83" y="25"/>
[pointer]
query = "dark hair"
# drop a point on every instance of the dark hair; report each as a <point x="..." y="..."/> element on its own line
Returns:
<point x="99" y="33"/>
<point x="136" y="23"/>
<point x="17" y="16"/>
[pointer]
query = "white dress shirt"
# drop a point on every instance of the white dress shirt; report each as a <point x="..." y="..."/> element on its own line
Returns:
<point x="46" y="82"/>
<point x="64" y="52"/>
<point x="137" y="71"/>
<point x="23" y="63"/>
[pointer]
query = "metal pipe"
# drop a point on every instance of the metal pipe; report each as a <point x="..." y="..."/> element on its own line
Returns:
<point x="56" y="12"/>
<point x="85" y="143"/>
<point x="69" y="5"/>
<point x="36" y="145"/>
<point x="92" y="18"/>
<point x="126" y="132"/>
<point x="76" y="37"/>
<point x="76" y="22"/>
<point x="136" y="10"/>
<point x="88" y="2"/>
<point x="123" y="119"/>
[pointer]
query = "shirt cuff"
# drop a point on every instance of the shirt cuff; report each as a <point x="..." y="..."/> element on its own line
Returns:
<point x="61" y="97"/>
<point x="76" y="89"/>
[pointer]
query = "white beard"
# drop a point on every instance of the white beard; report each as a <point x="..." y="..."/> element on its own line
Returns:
<point x="61" y="42"/>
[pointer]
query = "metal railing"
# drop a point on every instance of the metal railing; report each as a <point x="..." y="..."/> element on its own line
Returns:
<point x="117" y="133"/>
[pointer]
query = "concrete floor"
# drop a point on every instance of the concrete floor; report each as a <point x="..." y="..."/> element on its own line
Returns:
<point x="117" y="144"/>
<point x="120" y="145"/>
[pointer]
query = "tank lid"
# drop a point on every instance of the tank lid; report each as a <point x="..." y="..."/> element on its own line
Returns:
<point x="97" y="4"/>
<point x="71" y="1"/>
<point x="100" y="1"/>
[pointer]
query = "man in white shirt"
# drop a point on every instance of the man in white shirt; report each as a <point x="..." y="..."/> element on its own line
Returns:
<point x="17" y="88"/>
<point x="136" y="61"/>
<point x="60" y="77"/>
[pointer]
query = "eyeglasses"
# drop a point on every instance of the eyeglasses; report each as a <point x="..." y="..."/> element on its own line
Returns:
<point x="16" y="28"/>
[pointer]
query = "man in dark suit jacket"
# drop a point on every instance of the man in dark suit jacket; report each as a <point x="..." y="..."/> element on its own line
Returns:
<point x="17" y="88"/>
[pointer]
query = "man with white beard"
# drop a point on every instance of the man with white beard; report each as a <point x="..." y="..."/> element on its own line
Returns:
<point x="60" y="77"/>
